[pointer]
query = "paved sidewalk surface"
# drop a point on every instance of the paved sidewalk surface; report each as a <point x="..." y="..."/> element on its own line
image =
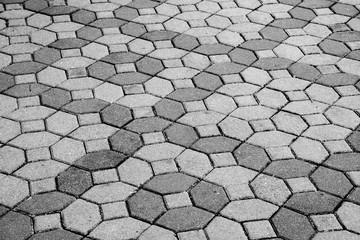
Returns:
<point x="179" y="119"/>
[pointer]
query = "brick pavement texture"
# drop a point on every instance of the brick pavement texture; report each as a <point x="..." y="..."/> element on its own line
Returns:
<point x="179" y="119"/>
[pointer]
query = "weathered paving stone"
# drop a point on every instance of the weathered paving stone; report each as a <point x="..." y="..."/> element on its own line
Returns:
<point x="108" y="23"/>
<point x="6" y="81"/>
<point x="257" y="45"/>
<point x="85" y="106"/>
<point x="185" y="219"/>
<point x="313" y="202"/>
<point x="207" y="81"/>
<point x="331" y="181"/>
<point x="242" y="56"/>
<point x="101" y="70"/>
<point x="170" y="183"/>
<point x="47" y="55"/>
<point x="121" y="57"/>
<point x="100" y="160"/>
<point x="169" y="109"/>
<point x="289" y="168"/>
<point x="36" y="5"/>
<point x="215" y="144"/>
<point x="14" y="225"/>
<point x="133" y="29"/>
<point x="126" y="13"/>
<point x="116" y="115"/>
<point x="68" y="43"/>
<point x="346" y="36"/>
<point x="344" y="161"/>
<point x="345" y="9"/>
<point x="181" y="134"/>
<point x="125" y="142"/>
<point x="160" y="35"/>
<point x="149" y="65"/>
<point x="251" y="157"/>
<point x="354" y="140"/>
<point x="27" y="90"/>
<point x="213" y="49"/>
<point x="292" y="225"/>
<point x="146" y="205"/>
<point x="209" y="196"/>
<point x="188" y="94"/>
<point x="334" y="48"/>
<point x="58" y="10"/>
<point x="74" y="181"/>
<point x="272" y="63"/>
<point x="46" y="203"/>
<point x="302" y="13"/>
<point x="57" y="234"/>
<point x="273" y="33"/>
<point x="83" y="16"/>
<point x="304" y="71"/>
<point x="288" y="23"/>
<point x="128" y="78"/>
<point x="149" y="124"/>
<point x="185" y="42"/>
<point x="88" y="33"/>
<point x="55" y="98"/>
<point x="337" y="79"/>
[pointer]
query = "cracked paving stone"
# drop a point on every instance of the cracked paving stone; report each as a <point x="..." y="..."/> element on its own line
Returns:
<point x="86" y="106"/>
<point x="188" y="94"/>
<point x="292" y="168"/>
<point x="125" y="142"/>
<point x="185" y="42"/>
<point x="74" y="181"/>
<point x="181" y="134"/>
<point x="146" y="205"/>
<point x="68" y="43"/>
<point x="185" y="219"/>
<point x="169" y="109"/>
<point x="100" y="160"/>
<point x="128" y="78"/>
<point x="101" y="70"/>
<point x="170" y="183"/>
<point x="149" y="124"/>
<point x="354" y="140"/>
<point x="251" y="157"/>
<point x="55" y="98"/>
<point x="292" y="225"/>
<point x="313" y="202"/>
<point x="209" y="196"/>
<point x="88" y="33"/>
<point x="331" y="181"/>
<point x="26" y="90"/>
<point x="215" y="144"/>
<point x="47" y="55"/>
<point x="14" y="225"/>
<point x="116" y="115"/>
<point x="46" y="203"/>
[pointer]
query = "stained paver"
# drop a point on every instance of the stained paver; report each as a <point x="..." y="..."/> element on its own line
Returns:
<point x="196" y="119"/>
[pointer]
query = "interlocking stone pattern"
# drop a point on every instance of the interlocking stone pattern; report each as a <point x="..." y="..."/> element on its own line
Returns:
<point x="179" y="119"/>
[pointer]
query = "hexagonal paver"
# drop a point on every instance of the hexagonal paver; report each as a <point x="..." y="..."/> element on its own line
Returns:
<point x="170" y="183"/>
<point x="194" y="163"/>
<point x="62" y="123"/>
<point x="100" y="160"/>
<point x="74" y="181"/>
<point x="16" y="226"/>
<point x="349" y="215"/>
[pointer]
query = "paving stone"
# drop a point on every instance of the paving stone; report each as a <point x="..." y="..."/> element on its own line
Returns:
<point x="159" y="151"/>
<point x="47" y="55"/>
<point x="331" y="181"/>
<point x="35" y="140"/>
<point x="146" y="205"/>
<point x="209" y="196"/>
<point x="125" y="142"/>
<point x="133" y="29"/>
<point x="108" y="23"/>
<point x="354" y="196"/>
<point x="24" y="68"/>
<point x="289" y="168"/>
<point x="36" y="5"/>
<point x="126" y="13"/>
<point x="310" y="150"/>
<point x="170" y="183"/>
<point x="181" y="134"/>
<point x="326" y="222"/>
<point x="146" y="125"/>
<point x="337" y="79"/>
<point x="213" y="49"/>
<point x="46" y="203"/>
<point x="313" y="202"/>
<point x="220" y="228"/>
<point x="100" y="160"/>
<point x="159" y="35"/>
<point x="251" y="157"/>
<point x="101" y="70"/>
<point x="344" y="161"/>
<point x="83" y="16"/>
<point x="68" y="43"/>
<point x="188" y="94"/>
<point x="89" y="33"/>
<point x="169" y="109"/>
<point x="26" y="90"/>
<point x="85" y="106"/>
<point x="129" y="169"/>
<point x="242" y="56"/>
<point x="74" y="181"/>
<point x="9" y="129"/>
<point x="273" y="33"/>
<point x="116" y="115"/>
<point x="14" y="190"/>
<point x="128" y="78"/>
<point x="271" y="189"/>
<point x="194" y="163"/>
<point x="121" y="57"/>
<point x="292" y="225"/>
<point x="57" y="234"/>
<point x="185" y="219"/>
<point x="335" y="235"/>
<point x="149" y="65"/>
<point x="304" y="71"/>
<point x="15" y="226"/>
<point x="123" y="228"/>
<point x="349" y="215"/>
<point x="225" y="68"/>
<point x="215" y="144"/>
<point x="185" y="42"/>
<point x="11" y="159"/>
<point x="354" y="140"/>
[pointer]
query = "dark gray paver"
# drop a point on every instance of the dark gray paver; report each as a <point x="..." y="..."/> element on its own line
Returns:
<point x="251" y="157"/>
<point x="149" y="124"/>
<point x="304" y="71"/>
<point x="209" y="196"/>
<point x="170" y="183"/>
<point x="108" y="23"/>
<point x="213" y="49"/>
<point x="345" y="9"/>
<point x="121" y="57"/>
<point x="26" y="90"/>
<point x="129" y="78"/>
<point x="133" y="29"/>
<point x="355" y="55"/>
<point x="3" y="210"/>
<point x="242" y="56"/>
<point x="225" y="68"/>
<point x="143" y="4"/>
<point x="146" y="205"/>
<point x="288" y="23"/>
<point x="16" y="226"/>
<point x="292" y="225"/>
<point x="355" y="195"/>
<point x="316" y="4"/>
<point x="126" y="13"/>
<point x="57" y="234"/>
<point x="47" y="55"/>
<point x="24" y="68"/>
<point x="55" y="98"/>
<point x="125" y="142"/>
<point x="337" y="79"/>
<point x="101" y="70"/>
<point x="207" y="81"/>
<point x="6" y="81"/>
<point x="188" y="94"/>
<point x="272" y="63"/>
<point x="354" y="140"/>
<point x="313" y="202"/>
<point x="215" y="144"/>
<point x="334" y="47"/>
<point x="93" y="105"/>
<point x="149" y="65"/>
<point x="160" y="35"/>
<point x="88" y="33"/>
<point x="46" y="203"/>
<point x="185" y="42"/>
<point x="59" y="10"/>
<point x="181" y="134"/>
<point x="259" y="44"/>
<point x="302" y="13"/>
<point x="116" y="115"/>
<point x="273" y="33"/>
<point x="345" y="36"/>
<point x="331" y="181"/>
<point x="185" y="219"/>
<point x="36" y="5"/>
<point x="169" y="109"/>
<point x="289" y="168"/>
<point x="104" y="159"/>
<point x="68" y="43"/>
<point x="74" y="181"/>
<point x="344" y="161"/>
<point x="83" y="16"/>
